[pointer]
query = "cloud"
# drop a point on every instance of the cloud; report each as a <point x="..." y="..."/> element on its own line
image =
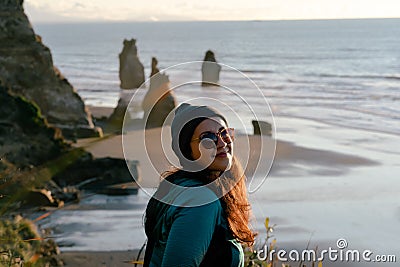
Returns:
<point x="79" y="5"/>
<point x="152" y="18"/>
<point x="138" y="10"/>
<point x="39" y="11"/>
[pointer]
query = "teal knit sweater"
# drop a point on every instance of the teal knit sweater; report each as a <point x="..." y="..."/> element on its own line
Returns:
<point x="186" y="229"/>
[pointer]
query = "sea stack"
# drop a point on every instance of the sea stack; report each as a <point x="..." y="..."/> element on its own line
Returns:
<point x="26" y="68"/>
<point x="210" y="70"/>
<point x="131" y="75"/>
<point x="159" y="100"/>
<point x="131" y="70"/>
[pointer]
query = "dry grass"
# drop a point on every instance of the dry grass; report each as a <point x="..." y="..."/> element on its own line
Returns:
<point x="252" y="258"/>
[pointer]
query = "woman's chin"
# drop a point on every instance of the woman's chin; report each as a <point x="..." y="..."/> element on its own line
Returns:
<point x="221" y="164"/>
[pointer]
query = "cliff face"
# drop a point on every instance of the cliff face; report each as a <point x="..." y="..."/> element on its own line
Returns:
<point x="26" y="66"/>
<point x="25" y="138"/>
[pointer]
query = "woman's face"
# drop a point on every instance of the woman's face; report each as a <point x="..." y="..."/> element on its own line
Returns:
<point x="215" y="157"/>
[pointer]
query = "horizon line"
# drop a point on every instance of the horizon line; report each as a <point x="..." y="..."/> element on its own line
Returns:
<point x="194" y="20"/>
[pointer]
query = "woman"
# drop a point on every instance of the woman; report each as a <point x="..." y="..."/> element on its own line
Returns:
<point x="199" y="214"/>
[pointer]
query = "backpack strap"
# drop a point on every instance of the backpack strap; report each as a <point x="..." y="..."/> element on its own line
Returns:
<point x="155" y="233"/>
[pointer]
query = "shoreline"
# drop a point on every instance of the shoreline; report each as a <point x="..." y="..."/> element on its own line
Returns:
<point x="99" y="258"/>
<point x="325" y="179"/>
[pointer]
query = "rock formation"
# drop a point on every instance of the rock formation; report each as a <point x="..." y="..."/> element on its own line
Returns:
<point x="100" y="175"/>
<point x="26" y="141"/>
<point x="113" y="124"/>
<point x="154" y="68"/>
<point x="131" y="75"/>
<point x="261" y="128"/>
<point x="26" y="66"/>
<point x="210" y="70"/>
<point x="37" y="108"/>
<point x="31" y="153"/>
<point x="25" y="138"/>
<point x="159" y="100"/>
<point x="131" y="70"/>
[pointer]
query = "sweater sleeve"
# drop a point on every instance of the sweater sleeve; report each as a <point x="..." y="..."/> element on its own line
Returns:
<point x="190" y="234"/>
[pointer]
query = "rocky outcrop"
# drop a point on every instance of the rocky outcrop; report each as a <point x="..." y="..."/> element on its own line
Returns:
<point x="159" y="100"/>
<point x="261" y="128"/>
<point x="154" y="68"/>
<point x="40" y="198"/>
<point x="131" y="70"/>
<point x="115" y="121"/>
<point x="25" y="138"/>
<point x="100" y="175"/>
<point x="210" y="70"/>
<point x="32" y="153"/>
<point x="26" y="66"/>
<point x="27" y="143"/>
<point x="131" y="75"/>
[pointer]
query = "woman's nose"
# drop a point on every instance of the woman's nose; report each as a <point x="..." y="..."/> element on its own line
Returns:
<point x="221" y="142"/>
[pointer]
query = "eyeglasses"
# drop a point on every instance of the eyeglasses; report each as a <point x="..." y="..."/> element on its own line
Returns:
<point x="227" y="135"/>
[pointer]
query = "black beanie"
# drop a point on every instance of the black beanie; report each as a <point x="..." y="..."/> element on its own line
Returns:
<point x="187" y="118"/>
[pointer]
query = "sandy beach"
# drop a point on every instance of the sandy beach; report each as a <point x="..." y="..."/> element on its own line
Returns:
<point x="290" y="160"/>
<point x="152" y="149"/>
<point x="99" y="258"/>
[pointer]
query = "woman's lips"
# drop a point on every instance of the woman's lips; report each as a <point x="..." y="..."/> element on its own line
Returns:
<point x="222" y="155"/>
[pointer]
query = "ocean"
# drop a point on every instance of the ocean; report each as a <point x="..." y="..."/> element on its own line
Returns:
<point x="331" y="85"/>
<point x="341" y="72"/>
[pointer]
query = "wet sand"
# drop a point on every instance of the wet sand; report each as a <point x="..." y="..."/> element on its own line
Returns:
<point x="255" y="152"/>
<point x="290" y="160"/>
<point x="99" y="258"/>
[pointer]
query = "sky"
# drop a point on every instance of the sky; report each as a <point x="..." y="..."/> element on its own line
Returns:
<point x="51" y="11"/>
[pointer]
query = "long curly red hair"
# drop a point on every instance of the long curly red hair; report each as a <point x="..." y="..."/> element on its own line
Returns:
<point x="237" y="206"/>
